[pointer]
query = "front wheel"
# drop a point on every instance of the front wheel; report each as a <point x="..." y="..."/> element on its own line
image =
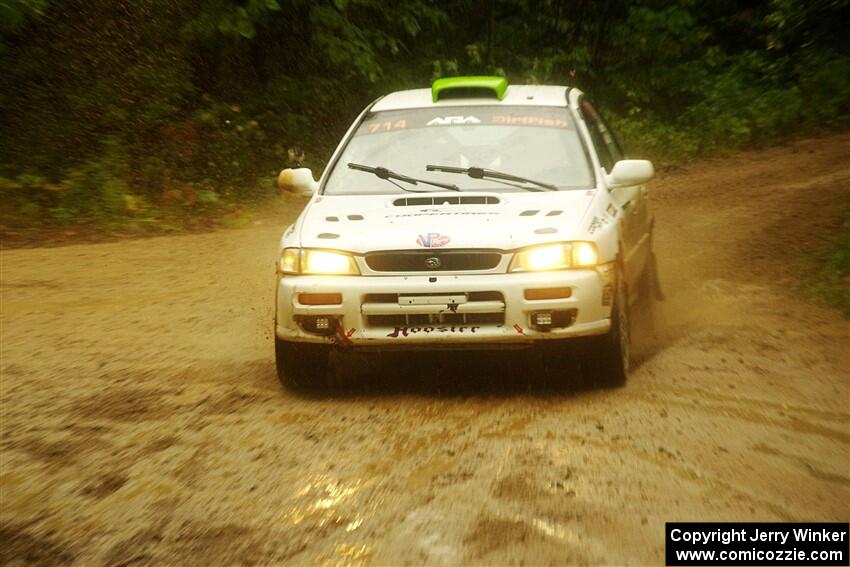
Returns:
<point x="301" y="366"/>
<point x="606" y="361"/>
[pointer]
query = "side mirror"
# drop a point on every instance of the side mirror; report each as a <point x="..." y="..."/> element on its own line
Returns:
<point x="628" y="172"/>
<point x="297" y="181"/>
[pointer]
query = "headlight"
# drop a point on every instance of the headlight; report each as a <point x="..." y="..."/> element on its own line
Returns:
<point x="302" y="261"/>
<point x="584" y="254"/>
<point x="290" y="261"/>
<point x="555" y="257"/>
<point x="325" y="262"/>
<point x="549" y="257"/>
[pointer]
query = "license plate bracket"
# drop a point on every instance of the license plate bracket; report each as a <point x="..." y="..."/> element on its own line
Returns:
<point x="449" y="299"/>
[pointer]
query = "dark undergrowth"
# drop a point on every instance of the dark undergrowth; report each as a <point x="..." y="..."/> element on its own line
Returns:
<point x="160" y="116"/>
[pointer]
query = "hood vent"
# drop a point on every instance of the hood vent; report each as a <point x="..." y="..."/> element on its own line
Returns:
<point x="444" y="200"/>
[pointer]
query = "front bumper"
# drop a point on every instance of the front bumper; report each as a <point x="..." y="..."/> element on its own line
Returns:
<point x="364" y="323"/>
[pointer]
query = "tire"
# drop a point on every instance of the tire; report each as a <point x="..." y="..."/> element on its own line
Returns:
<point x="606" y="362"/>
<point x="301" y="366"/>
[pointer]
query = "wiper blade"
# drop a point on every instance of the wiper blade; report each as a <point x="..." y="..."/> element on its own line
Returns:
<point x="481" y="173"/>
<point x="389" y="175"/>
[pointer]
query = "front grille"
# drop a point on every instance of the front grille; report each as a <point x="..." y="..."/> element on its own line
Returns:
<point x="434" y="261"/>
<point x="428" y="319"/>
<point x="471" y="296"/>
<point x="390" y="310"/>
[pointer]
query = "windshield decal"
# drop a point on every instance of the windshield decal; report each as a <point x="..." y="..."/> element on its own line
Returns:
<point x="416" y="118"/>
<point x="386" y="126"/>
<point x="530" y="121"/>
<point x="447" y="120"/>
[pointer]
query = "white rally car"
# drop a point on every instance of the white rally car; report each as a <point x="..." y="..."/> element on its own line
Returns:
<point x="474" y="214"/>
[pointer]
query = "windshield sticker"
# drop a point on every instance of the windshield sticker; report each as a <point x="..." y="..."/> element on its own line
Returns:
<point x="446" y="120"/>
<point x="432" y="240"/>
<point x="531" y="121"/>
<point x="387" y="126"/>
<point x="415" y="118"/>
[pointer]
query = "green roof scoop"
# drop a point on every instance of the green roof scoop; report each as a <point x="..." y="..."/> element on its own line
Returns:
<point x="475" y="86"/>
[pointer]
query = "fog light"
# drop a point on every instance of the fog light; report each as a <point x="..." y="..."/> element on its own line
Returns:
<point x="542" y="319"/>
<point x="550" y="320"/>
<point x="319" y="324"/>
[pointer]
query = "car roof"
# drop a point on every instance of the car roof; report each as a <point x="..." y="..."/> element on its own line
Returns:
<point x="515" y="95"/>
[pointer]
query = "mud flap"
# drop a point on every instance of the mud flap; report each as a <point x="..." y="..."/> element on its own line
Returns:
<point x="656" y="280"/>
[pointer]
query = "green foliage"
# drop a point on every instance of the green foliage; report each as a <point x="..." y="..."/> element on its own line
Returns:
<point x="14" y="13"/>
<point x="95" y="191"/>
<point x="92" y="192"/>
<point x="229" y="19"/>
<point x="110" y="108"/>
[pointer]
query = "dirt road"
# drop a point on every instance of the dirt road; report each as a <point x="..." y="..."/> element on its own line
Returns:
<point x="142" y="421"/>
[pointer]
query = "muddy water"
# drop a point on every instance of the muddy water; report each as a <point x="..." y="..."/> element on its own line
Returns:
<point x="142" y="421"/>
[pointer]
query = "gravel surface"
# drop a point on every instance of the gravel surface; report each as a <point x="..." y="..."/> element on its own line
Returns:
<point x="142" y="421"/>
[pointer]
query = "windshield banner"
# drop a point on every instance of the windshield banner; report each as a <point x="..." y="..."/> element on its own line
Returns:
<point x="459" y="116"/>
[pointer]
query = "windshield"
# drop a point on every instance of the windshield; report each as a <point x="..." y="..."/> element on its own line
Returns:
<point x="540" y="143"/>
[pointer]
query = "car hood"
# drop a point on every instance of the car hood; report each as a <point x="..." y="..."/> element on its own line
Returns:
<point x="368" y="223"/>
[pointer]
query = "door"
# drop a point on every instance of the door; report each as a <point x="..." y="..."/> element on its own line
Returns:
<point x="634" y="212"/>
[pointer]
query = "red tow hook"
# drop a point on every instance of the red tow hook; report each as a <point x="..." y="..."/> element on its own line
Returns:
<point x="343" y="339"/>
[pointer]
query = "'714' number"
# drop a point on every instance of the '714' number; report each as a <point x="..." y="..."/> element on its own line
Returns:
<point x="387" y="126"/>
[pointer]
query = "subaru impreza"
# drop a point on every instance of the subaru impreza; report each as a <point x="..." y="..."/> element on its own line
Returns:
<point x="472" y="215"/>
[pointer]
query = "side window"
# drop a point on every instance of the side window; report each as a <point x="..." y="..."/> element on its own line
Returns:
<point x="610" y="140"/>
<point x="606" y="145"/>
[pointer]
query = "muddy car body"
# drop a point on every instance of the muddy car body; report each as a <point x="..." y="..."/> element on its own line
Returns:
<point x="474" y="214"/>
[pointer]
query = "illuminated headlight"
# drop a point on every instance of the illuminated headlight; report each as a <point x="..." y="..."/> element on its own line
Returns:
<point x="290" y="261"/>
<point x="555" y="257"/>
<point x="584" y="254"/>
<point x="303" y="261"/>
<point x="325" y="262"/>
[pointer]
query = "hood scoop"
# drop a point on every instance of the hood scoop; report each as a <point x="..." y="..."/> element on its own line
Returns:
<point x="446" y="200"/>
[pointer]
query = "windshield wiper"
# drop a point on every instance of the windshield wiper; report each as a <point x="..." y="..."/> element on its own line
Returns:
<point x="384" y="173"/>
<point x="481" y="173"/>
